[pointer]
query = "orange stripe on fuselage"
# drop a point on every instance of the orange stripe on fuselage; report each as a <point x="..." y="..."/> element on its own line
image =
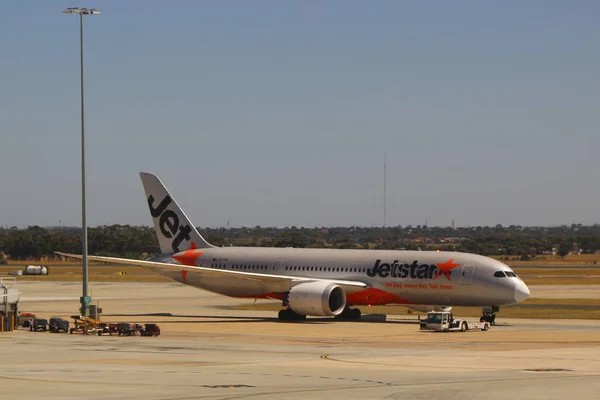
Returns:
<point x="366" y="297"/>
<point x="373" y="296"/>
<point x="188" y="257"/>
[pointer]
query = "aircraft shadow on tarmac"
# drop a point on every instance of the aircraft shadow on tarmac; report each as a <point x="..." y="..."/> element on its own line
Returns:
<point x="371" y="318"/>
<point x="208" y="319"/>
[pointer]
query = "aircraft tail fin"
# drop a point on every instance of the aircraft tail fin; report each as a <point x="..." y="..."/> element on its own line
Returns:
<point x="174" y="230"/>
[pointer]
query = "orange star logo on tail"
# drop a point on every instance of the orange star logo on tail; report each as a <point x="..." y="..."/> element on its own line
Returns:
<point x="188" y="257"/>
<point x="445" y="269"/>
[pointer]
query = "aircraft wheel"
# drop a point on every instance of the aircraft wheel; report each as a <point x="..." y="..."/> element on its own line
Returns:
<point x="289" y="315"/>
<point x="349" y="314"/>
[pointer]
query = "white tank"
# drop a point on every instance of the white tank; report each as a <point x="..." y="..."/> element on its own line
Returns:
<point x="33" y="270"/>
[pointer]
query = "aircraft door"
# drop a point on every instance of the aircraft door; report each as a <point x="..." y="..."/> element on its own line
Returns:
<point x="276" y="265"/>
<point x="467" y="274"/>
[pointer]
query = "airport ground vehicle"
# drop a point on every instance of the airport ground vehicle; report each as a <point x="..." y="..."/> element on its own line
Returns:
<point x="125" y="328"/>
<point x="139" y="328"/>
<point x="38" y="324"/>
<point x="151" y="330"/>
<point x="25" y="319"/>
<point x="84" y="325"/>
<point x="104" y="328"/>
<point x="35" y="270"/>
<point x="444" y="321"/>
<point x="58" y="324"/>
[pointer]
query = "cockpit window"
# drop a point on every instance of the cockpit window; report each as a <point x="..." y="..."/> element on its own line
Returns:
<point x="499" y="274"/>
<point x="511" y="274"/>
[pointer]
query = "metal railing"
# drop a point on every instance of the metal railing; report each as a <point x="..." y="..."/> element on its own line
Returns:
<point x="8" y="282"/>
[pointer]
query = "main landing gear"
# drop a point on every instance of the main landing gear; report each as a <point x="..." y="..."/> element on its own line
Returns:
<point x="349" y="314"/>
<point x="289" y="315"/>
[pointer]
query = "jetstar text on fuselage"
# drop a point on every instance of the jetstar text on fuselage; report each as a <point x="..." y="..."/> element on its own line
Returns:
<point x="413" y="271"/>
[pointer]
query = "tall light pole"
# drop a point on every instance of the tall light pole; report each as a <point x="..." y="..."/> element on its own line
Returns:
<point x="85" y="299"/>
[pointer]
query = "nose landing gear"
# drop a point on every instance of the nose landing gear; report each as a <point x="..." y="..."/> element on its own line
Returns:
<point x="489" y="314"/>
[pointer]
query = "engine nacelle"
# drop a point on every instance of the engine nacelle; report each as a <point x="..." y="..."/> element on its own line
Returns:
<point x="317" y="298"/>
<point x="427" y="308"/>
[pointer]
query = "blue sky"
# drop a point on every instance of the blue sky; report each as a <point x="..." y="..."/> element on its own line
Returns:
<point x="279" y="113"/>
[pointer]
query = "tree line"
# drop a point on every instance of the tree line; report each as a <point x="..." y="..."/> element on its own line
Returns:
<point x="36" y="242"/>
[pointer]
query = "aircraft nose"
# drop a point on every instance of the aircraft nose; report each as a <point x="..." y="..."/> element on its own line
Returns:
<point x="521" y="292"/>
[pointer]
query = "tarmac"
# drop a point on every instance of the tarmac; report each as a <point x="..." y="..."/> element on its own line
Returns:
<point x="208" y="350"/>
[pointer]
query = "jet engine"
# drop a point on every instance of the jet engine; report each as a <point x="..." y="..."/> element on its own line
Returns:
<point x="317" y="298"/>
<point x="427" y="308"/>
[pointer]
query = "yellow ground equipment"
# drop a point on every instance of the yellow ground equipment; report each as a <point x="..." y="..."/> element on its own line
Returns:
<point x="84" y="325"/>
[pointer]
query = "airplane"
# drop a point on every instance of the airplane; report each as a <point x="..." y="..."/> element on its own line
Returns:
<point x="320" y="282"/>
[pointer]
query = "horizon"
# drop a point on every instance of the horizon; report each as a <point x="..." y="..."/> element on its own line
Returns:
<point x="198" y="227"/>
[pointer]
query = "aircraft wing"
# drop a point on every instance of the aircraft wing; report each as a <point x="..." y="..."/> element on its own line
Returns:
<point x="275" y="283"/>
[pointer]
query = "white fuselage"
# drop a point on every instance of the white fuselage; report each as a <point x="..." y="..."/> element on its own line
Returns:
<point x="393" y="277"/>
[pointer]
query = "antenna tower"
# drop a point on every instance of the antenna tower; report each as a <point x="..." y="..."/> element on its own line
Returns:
<point x="384" y="191"/>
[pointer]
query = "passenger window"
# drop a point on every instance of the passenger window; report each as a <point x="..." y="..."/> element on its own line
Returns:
<point x="499" y="274"/>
